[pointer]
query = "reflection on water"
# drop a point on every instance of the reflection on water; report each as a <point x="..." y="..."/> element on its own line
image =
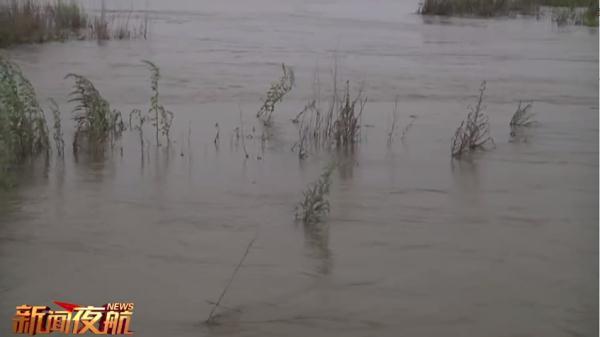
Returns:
<point x="316" y="238"/>
<point x="416" y="244"/>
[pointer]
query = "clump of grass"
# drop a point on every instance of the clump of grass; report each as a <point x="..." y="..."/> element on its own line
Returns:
<point x="276" y="93"/>
<point x="473" y="132"/>
<point x="23" y="125"/>
<point x="28" y="21"/>
<point x="161" y="118"/>
<point x="523" y="116"/>
<point x="347" y="126"/>
<point x="94" y="118"/>
<point x="338" y="127"/>
<point x="315" y="205"/>
<point x="23" y="129"/>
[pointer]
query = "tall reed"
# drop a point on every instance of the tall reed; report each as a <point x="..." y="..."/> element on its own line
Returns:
<point x="94" y="118"/>
<point x="23" y="128"/>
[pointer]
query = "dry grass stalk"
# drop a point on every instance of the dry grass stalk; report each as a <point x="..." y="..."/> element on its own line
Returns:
<point x="211" y="316"/>
<point x="474" y="132"/>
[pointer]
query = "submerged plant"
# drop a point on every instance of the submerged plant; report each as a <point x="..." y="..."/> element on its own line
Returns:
<point x="474" y="132"/>
<point x="94" y="118"/>
<point x="315" y="206"/>
<point x="160" y="117"/>
<point x="523" y="116"/>
<point x="276" y="93"/>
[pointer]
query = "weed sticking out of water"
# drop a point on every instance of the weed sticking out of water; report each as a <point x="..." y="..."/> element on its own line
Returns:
<point x="57" y="133"/>
<point x="94" y="118"/>
<point x="161" y="118"/>
<point x="337" y="127"/>
<point x="523" y="116"/>
<point x="315" y="205"/>
<point x="347" y="123"/>
<point x="276" y="93"/>
<point x="473" y="132"/>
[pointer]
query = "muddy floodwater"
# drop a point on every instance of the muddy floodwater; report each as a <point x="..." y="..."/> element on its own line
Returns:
<point x="505" y="244"/>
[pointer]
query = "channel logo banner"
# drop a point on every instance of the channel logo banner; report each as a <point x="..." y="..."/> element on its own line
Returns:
<point x="109" y="319"/>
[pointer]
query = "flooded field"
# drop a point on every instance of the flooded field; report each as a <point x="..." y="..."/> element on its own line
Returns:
<point x="416" y="244"/>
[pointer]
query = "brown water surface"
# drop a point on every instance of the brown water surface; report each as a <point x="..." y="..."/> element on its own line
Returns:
<point x="415" y="245"/>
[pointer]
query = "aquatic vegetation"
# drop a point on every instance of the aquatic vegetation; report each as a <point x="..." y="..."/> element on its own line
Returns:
<point x="23" y="129"/>
<point x="473" y="132"/>
<point x="484" y="8"/>
<point x="94" y="118"/>
<point x="523" y="116"/>
<point x="23" y="125"/>
<point x="28" y="21"/>
<point x="57" y="134"/>
<point x="575" y="16"/>
<point x="31" y="21"/>
<point x="161" y="118"/>
<point x="346" y="126"/>
<point x="314" y="205"/>
<point x="576" y="12"/>
<point x="338" y="127"/>
<point x="276" y="93"/>
<point x="118" y="26"/>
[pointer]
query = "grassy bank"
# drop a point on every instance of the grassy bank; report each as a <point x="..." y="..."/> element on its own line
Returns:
<point x="577" y="11"/>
